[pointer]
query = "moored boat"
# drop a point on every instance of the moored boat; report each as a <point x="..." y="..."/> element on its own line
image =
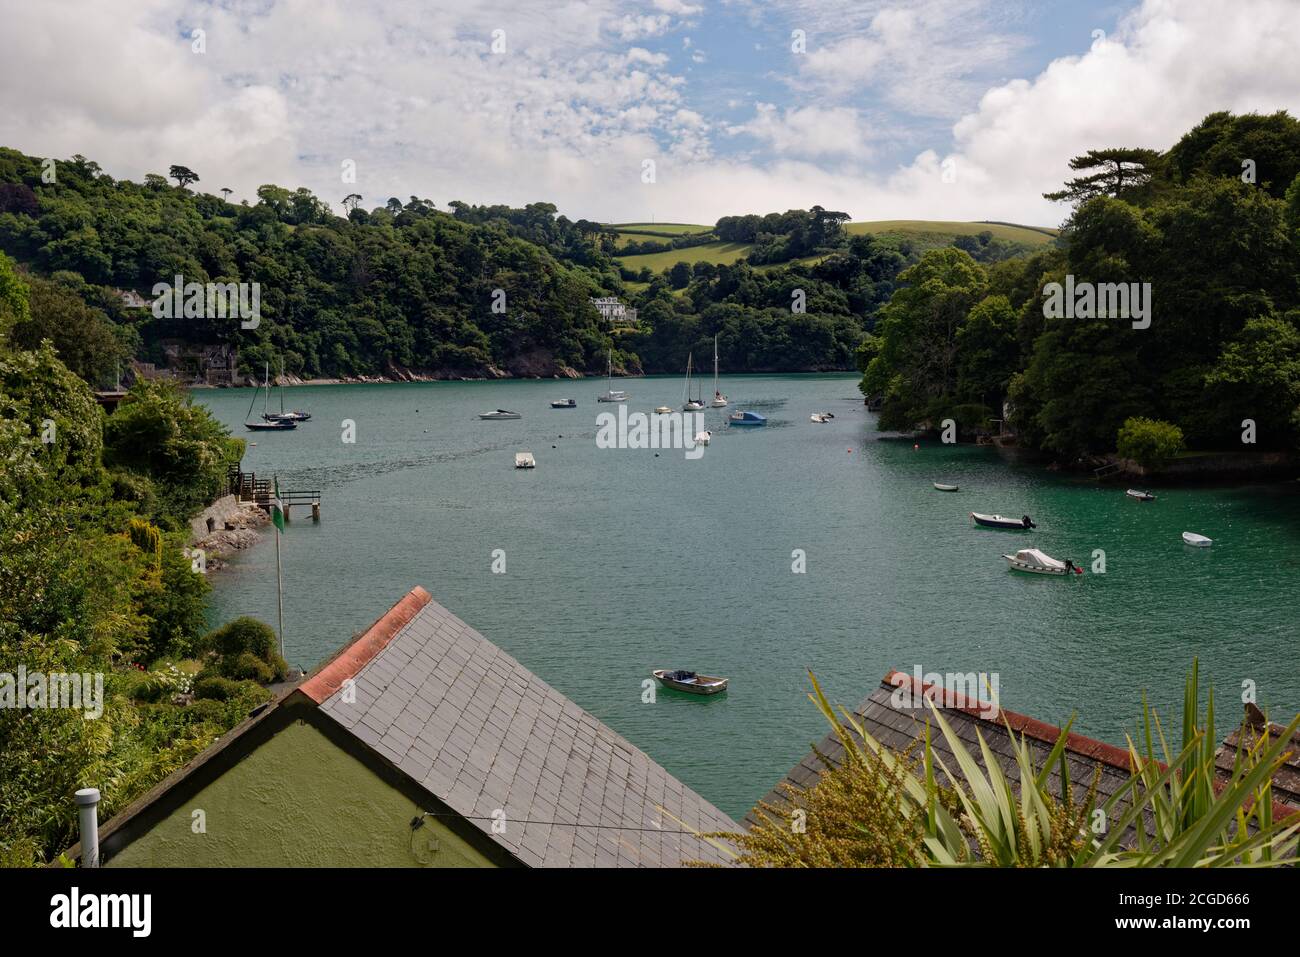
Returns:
<point x="1001" y="521"/>
<point x="271" y="426"/>
<point x="525" y="460"/>
<point x="703" y="438"/>
<point x="611" y="394"/>
<point x="564" y="404"/>
<point x="1040" y="563"/>
<point x="821" y="417"/>
<point x="746" y="418"/>
<point x="1140" y="496"/>
<point x="1197" y="541"/>
<point x="500" y="414"/>
<point x="663" y="410"/>
<point x="693" y="403"/>
<point x="945" y="488"/>
<point x="690" y="681"/>
<point x="719" y="400"/>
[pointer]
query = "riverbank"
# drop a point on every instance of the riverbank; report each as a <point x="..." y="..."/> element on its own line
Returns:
<point x="225" y="528"/>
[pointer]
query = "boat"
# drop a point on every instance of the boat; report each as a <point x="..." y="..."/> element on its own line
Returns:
<point x="746" y="418"/>
<point x="564" y="404"/>
<point x="945" y="488"/>
<point x="1140" y="496"/>
<point x="1199" y="541"/>
<point x="690" y="681"/>
<point x="525" y="460"/>
<point x="267" y="424"/>
<point x="692" y="405"/>
<point x="821" y="417"/>
<point x="500" y="414"/>
<point x="297" y="415"/>
<point x="1040" y="563"/>
<point x="719" y="400"/>
<point x="611" y="394"/>
<point x="1001" y="521"/>
<point x="703" y="438"/>
<point x="663" y="410"/>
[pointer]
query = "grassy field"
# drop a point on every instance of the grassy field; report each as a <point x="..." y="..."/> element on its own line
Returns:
<point x="925" y="233"/>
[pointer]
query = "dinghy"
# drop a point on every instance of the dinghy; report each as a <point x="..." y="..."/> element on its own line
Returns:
<point x="1001" y="521"/>
<point x="703" y="438"/>
<point x="500" y="414"/>
<point x="821" y="417"/>
<point x="690" y="681"/>
<point x="663" y="410"/>
<point x="1197" y="541"/>
<point x="944" y="488"/>
<point x="1040" y="563"/>
<point x="1140" y="496"/>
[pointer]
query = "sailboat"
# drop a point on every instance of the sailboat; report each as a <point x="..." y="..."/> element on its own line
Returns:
<point x="692" y="405"/>
<point x="297" y="415"/>
<point x="268" y="424"/>
<point x="611" y="394"/>
<point x="719" y="400"/>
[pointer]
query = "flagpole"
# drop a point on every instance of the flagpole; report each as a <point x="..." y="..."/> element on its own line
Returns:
<point x="279" y="587"/>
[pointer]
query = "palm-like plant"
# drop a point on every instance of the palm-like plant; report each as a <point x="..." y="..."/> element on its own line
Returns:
<point x="1173" y="809"/>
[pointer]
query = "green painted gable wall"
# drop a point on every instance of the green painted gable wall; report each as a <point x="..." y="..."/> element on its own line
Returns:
<point x="298" y="800"/>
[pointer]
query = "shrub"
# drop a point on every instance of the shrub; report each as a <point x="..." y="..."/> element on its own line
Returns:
<point x="246" y="648"/>
<point x="1151" y="443"/>
<point x="216" y="688"/>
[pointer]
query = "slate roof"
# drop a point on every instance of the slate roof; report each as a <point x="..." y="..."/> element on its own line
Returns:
<point x="900" y="726"/>
<point x="478" y="730"/>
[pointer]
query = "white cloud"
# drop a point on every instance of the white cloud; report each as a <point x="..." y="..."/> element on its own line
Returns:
<point x="808" y="132"/>
<point x="411" y="91"/>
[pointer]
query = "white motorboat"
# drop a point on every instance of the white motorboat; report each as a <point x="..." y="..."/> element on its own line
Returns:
<point x="611" y="394"/>
<point x="564" y="404"/>
<point x="1001" y="521"/>
<point x="525" y="460"/>
<point x="703" y="438"/>
<point x="821" y="417"/>
<point x="1040" y="563"/>
<point x="663" y="410"/>
<point x="500" y="414"/>
<point x="719" y="400"/>
<point x="1197" y="541"/>
<point x="693" y="404"/>
<point x="945" y="488"/>
<point x="1140" y="496"/>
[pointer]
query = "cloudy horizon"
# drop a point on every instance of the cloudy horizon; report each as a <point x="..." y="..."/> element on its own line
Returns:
<point x="742" y="106"/>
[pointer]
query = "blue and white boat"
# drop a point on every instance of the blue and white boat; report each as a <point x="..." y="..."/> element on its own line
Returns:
<point x="746" y="418"/>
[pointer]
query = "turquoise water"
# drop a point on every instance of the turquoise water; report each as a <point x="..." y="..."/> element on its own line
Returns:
<point x="618" y="561"/>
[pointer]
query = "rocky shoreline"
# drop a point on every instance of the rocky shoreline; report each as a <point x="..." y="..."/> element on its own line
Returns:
<point x="240" y="531"/>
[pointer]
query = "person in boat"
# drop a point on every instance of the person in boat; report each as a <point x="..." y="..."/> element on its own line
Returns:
<point x="1027" y="522"/>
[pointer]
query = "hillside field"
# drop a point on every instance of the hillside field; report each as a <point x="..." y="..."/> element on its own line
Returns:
<point x="920" y="231"/>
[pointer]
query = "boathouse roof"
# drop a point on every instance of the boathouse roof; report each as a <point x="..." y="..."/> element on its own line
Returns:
<point x="896" y="716"/>
<point x="476" y="739"/>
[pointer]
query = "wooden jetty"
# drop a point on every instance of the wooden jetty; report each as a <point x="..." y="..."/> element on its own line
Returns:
<point x="247" y="487"/>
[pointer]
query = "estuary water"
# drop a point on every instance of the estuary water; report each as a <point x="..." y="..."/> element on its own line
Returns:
<point x="619" y="561"/>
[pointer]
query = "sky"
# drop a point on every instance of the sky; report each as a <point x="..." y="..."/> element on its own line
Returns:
<point x="655" y="110"/>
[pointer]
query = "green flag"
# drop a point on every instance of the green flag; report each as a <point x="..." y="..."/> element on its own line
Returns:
<point x="277" y="510"/>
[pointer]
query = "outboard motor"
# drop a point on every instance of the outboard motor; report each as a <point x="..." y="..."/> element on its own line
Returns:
<point x="1028" y="523"/>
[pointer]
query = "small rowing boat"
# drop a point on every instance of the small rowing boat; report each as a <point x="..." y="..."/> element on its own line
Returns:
<point x="944" y="488"/>
<point x="1197" y="541"/>
<point x="691" y="682"/>
<point x="1140" y="496"/>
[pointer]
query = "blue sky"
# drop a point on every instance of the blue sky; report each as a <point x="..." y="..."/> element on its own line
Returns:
<point x="896" y="109"/>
